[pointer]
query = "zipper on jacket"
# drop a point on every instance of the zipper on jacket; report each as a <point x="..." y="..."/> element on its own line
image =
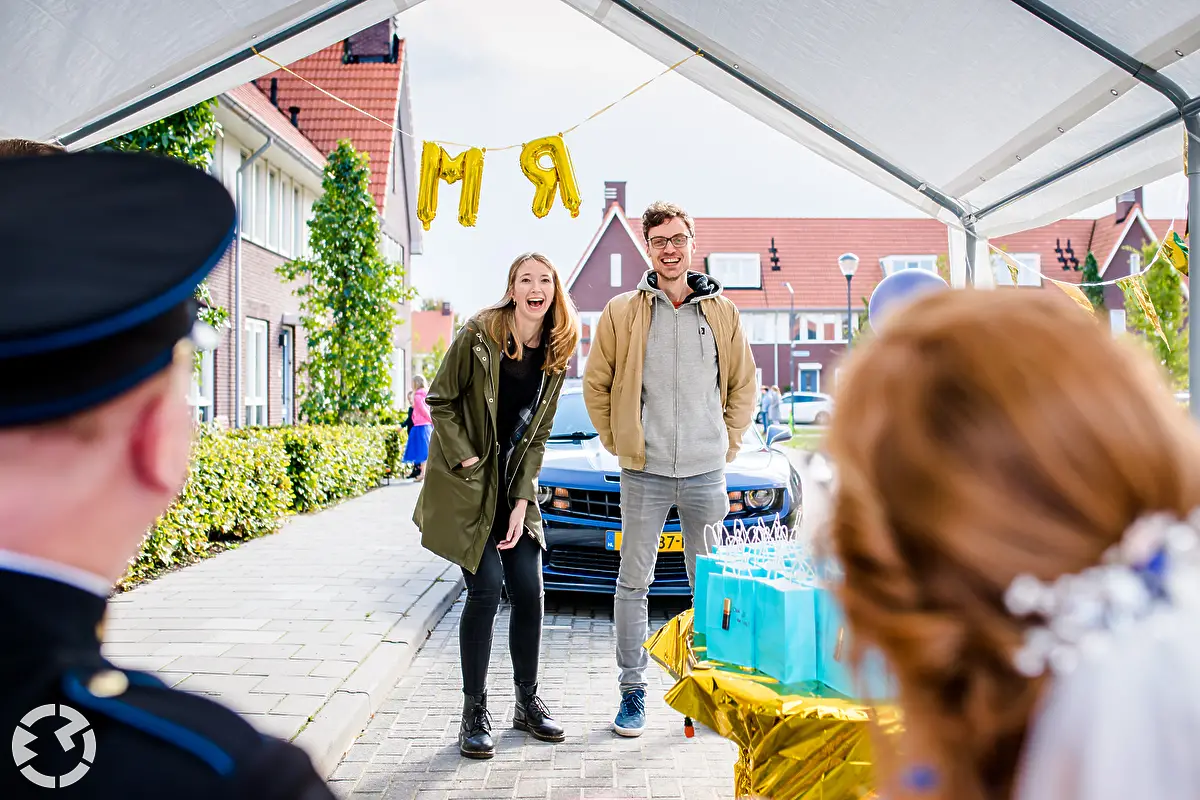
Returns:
<point x="532" y="427"/>
<point x="675" y="397"/>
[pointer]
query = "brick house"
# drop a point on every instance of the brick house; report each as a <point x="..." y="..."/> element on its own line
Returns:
<point x="806" y="285"/>
<point x="295" y="126"/>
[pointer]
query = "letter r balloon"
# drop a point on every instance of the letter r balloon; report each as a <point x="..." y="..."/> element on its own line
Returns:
<point x="558" y="176"/>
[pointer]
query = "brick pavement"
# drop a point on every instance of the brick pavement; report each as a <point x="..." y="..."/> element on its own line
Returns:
<point x="409" y="750"/>
<point x="275" y="627"/>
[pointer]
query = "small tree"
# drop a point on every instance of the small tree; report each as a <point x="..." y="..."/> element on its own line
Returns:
<point x="1165" y="288"/>
<point x="189" y="135"/>
<point x="1091" y="274"/>
<point x="348" y="299"/>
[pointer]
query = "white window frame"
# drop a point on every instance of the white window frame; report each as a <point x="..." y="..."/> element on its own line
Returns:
<point x="201" y="395"/>
<point x="274" y="210"/>
<point x="299" y="224"/>
<point x="736" y="270"/>
<point x="1135" y="263"/>
<point x="614" y="270"/>
<point x="1030" y="276"/>
<point x="286" y="217"/>
<point x="1116" y="321"/>
<point x="255" y="382"/>
<point x="258" y="202"/>
<point x="895" y="263"/>
<point x="807" y="366"/>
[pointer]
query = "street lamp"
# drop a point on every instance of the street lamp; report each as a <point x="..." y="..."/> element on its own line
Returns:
<point x="848" y="264"/>
<point x="791" y="339"/>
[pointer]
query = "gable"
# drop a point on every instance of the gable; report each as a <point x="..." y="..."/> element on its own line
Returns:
<point x="613" y="263"/>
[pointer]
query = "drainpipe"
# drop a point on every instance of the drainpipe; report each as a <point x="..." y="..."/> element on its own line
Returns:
<point x="238" y="402"/>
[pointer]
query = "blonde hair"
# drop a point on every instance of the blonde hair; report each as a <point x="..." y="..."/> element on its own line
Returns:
<point x="560" y="326"/>
<point x="979" y="436"/>
<point x="419" y="381"/>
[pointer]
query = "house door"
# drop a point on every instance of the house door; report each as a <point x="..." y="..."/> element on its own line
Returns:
<point x="810" y="380"/>
<point x="288" y="401"/>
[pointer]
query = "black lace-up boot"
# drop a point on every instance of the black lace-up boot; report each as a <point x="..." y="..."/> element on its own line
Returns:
<point x="475" y="734"/>
<point x="532" y="716"/>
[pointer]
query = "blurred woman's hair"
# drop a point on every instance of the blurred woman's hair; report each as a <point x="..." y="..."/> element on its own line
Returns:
<point x="981" y="435"/>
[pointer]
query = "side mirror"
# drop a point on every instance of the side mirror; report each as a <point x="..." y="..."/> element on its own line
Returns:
<point x="778" y="433"/>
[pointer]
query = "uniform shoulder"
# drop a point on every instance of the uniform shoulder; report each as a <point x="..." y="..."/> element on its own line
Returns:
<point x="146" y="716"/>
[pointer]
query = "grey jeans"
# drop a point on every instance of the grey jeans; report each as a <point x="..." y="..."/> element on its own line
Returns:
<point x="645" y="500"/>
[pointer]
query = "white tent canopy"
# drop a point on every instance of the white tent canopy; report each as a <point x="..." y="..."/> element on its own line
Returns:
<point x="992" y="115"/>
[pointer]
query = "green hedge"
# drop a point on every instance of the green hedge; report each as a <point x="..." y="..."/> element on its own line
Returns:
<point x="243" y="483"/>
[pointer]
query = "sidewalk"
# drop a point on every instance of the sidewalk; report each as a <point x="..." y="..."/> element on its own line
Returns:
<point x="304" y="632"/>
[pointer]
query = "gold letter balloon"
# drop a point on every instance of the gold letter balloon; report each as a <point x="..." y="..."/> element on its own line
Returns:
<point x="437" y="166"/>
<point x="559" y="175"/>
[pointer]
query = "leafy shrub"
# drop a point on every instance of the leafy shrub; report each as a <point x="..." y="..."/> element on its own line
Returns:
<point x="242" y="483"/>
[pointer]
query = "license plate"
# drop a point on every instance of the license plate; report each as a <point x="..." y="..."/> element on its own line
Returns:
<point x="667" y="542"/>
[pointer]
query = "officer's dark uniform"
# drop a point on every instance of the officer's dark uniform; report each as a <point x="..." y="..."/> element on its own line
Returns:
<point x="100" y="255"/>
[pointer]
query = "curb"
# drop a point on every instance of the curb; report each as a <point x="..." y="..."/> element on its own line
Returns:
<point x="336" y="726"/>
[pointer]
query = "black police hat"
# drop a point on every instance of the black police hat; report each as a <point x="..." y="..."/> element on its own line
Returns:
<point x="100" y="257"/>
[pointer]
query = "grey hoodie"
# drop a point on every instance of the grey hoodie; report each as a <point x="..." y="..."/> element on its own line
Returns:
<point x="682" y="416"/>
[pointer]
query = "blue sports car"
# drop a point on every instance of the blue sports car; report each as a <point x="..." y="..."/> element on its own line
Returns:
<point x="579" y="493"/>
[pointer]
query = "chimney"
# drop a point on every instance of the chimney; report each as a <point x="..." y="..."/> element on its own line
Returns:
<point x="275" y="92"/>
<point x="614" y="192"/>
<point x="376" y="44"/>
<point x="1127" y="201"/>
<point x="445" y="309"/>
<point x="295" y="112"/>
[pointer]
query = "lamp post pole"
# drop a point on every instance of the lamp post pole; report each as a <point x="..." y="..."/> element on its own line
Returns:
<point x="848" y="264"/>
<point x="791" y="338"/>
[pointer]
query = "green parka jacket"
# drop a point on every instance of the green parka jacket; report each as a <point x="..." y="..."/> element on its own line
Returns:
<point x="455" y="509"/>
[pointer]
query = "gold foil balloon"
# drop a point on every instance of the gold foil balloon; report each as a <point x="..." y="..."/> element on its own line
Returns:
<point x="437" y="166"/>
<point x="558" y="176"/>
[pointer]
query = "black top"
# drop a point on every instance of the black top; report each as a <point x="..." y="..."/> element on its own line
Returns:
<point x="131" y="736"/>
<point x="102" y="256"/>
<point x="520" y="383"/>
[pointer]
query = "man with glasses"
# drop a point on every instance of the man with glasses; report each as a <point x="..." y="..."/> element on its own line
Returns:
<point x="669" y="385"/>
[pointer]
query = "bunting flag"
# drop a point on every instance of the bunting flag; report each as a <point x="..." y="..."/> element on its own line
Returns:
<point x="1014" y="266"/>
<point x="1135" y="286"/>
<point x="1176" y="252"/>
<point x="1075" y="293"/>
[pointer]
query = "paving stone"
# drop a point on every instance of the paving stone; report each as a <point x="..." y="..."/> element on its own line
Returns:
<point x="419" y="723"/>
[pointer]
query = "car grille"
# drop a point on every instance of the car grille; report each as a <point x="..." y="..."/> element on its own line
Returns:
<point x="592" y="562"/>
<point x="601" y="505"/>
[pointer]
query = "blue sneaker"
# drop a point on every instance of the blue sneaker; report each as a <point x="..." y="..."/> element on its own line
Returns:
<point x="631" y="718"/>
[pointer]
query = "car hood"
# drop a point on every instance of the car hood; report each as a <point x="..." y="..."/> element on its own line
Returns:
<point x="588" y="459"/>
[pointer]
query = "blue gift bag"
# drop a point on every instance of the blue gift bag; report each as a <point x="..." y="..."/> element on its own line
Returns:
<point x="729" y="610"/>
<point x="872" y="681"/>
<point x="785" y="645"/>
<point x="705" y="565"/>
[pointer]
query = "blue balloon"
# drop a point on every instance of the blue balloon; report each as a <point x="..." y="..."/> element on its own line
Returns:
<point x="899" y="289"/>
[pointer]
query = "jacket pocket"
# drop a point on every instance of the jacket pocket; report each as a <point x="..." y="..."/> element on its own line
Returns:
<point x="467" y="473"/>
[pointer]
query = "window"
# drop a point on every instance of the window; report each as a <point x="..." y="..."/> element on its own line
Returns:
<point x="299" y="228"/>
<point x="254" y="381"/>
<point x="400" y="385"/>
<point x="893" y="264"/>
<point x="258" y="203"/>
<point x="201" y="395"/>
<point x="810" y="380"/>
<point x="1028" y="275"/>
<point x="736" y="270"/>
<point x="1116" y="320"/>
<point x="823" y="327"/>
<point x="766" y="327"/>
<point x="287" y="218"/>
<point x="273" y="214"/>
<point x="1135" y="263"/>
<point x="614" y="269"/>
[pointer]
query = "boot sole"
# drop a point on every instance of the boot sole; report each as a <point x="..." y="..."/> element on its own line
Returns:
<point x="521" y="726"/>
<point x="476" y="756"/>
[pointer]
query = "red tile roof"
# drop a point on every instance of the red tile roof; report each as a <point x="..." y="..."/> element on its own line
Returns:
<point x="809" y="248"/>
<point x="373" y="87"/>
<point x="256" y="103"/>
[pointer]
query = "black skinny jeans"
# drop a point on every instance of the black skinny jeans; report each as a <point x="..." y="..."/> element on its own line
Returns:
<point x="520" y="569"/>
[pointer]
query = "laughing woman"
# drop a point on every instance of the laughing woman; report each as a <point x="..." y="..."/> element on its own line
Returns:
<point x="493" y="403"/>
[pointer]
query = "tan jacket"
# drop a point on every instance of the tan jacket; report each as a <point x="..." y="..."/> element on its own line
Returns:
<point x="612" y="381"/>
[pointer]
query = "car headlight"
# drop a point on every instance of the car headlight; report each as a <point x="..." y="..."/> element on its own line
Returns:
<point x="544" y="495"/>
<point x="760" y="498"/>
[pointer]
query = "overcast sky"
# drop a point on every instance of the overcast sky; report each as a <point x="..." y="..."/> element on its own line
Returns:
<point x="498" y="73"/>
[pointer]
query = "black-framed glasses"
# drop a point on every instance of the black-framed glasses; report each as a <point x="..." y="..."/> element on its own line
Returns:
<point x="659" y="242"/>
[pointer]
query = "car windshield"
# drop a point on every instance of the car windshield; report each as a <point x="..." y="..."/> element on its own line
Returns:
<point x="571" y="421"/>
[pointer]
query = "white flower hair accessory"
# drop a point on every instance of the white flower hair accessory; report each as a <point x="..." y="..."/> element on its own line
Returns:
<point x="1155" y="566"/>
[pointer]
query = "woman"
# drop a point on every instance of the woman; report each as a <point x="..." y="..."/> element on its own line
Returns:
<point x="992" y="450"/>
<point x="775" y="406"/>
<point x="416" y="452"/>
<point x="493" y="402"/>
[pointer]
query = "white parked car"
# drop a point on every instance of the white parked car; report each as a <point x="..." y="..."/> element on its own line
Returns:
<point x="807" y="408"/>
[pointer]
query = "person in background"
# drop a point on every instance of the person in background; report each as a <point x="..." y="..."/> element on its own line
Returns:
<point x="103" y="253"/>
<point x="1016" y="507"/>
<point x="775" y="406"/>
<point x="669" y="385"/>
<point x="763" y="415"/>
<point x="493" y="402"/>
<point x="416" y="451"/>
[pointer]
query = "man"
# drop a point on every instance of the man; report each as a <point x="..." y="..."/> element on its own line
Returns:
<point x="102" y="255"/>
<point x="669" y="385"/>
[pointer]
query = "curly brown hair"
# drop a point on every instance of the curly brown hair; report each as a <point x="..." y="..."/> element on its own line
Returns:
<point x="661" y="211"/>
<point x="19" y="148"/>
<point x="980" y="436"/>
